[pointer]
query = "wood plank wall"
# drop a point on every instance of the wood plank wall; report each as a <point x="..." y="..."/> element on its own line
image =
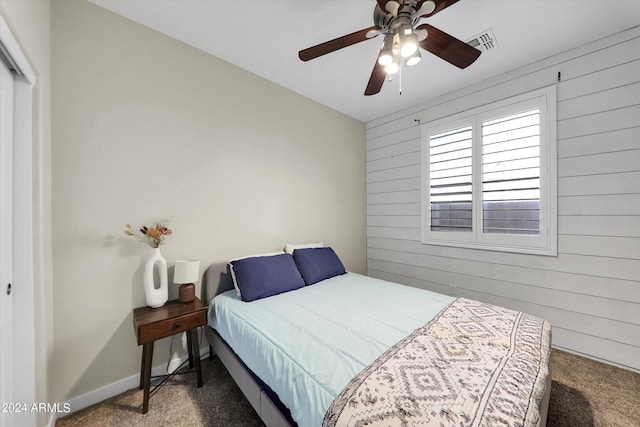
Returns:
<point x="590" y="292"/>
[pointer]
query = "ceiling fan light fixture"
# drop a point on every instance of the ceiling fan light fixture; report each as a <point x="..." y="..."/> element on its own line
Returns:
<point x="413" y="59"/>
<point x="395" y="46"/>
<point x="385" y="57"/>
<point x="409" y="47"/>
<point x="408" y="41"/>
<point x="392" y="68"/>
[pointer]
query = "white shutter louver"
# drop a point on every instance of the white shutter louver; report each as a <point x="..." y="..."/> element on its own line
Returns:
<point x="450" y="180"/>
<point x="511" y="174"/>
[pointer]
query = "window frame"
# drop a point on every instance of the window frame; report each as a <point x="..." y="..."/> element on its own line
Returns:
<point x="543" y="244"/>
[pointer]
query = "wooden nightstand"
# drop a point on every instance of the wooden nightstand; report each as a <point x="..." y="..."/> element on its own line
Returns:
<point x="174" y="317"/>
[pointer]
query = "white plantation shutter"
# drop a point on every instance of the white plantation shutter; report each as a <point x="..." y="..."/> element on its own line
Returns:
<point x="511" y="174"/>
<point x="450" y="180"/>
<point x="490" y="176"/>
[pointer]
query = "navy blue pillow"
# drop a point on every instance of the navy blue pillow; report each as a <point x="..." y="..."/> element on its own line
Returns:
<point x="316" y="264"/>
<point x="264" y="276"/>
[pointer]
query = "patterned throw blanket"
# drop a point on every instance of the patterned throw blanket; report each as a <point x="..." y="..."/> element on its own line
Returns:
<point x="474" y="364"/>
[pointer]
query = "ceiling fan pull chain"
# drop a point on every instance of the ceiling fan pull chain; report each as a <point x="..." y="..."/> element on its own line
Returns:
<point x="400" y="78"/>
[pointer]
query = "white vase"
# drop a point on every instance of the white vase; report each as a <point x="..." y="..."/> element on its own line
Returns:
<point x="156" y="295"/>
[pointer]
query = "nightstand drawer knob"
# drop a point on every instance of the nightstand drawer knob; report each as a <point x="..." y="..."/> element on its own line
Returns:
<point x="176" y="325"/>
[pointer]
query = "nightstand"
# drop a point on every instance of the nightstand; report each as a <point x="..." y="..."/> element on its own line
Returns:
<point x="174" y="317"/>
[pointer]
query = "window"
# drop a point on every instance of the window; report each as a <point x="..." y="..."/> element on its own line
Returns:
<point x="489" y="176"/>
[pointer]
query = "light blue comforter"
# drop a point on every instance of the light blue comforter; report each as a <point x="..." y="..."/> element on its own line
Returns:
<point x="307" y="344"/>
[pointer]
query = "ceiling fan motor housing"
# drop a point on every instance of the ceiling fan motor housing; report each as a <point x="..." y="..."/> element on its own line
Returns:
<point x="389" y="23"/>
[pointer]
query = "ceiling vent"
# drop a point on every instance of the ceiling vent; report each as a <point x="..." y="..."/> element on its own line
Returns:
<point x="484" y="41"/>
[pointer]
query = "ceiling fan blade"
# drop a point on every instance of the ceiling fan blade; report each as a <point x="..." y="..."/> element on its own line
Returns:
<point x="389" y="6"/>
<point x="440" y="4"/>
<point x="447" y="47"/>
<point x="335" y="44"/>
<point x="422" y="34"/>
<point x="376" y="80"/>
<point x="424" y="8"/>
<point x="382" y="4"/>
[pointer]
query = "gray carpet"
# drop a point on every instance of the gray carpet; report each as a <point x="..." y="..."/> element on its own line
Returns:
<point x="583" y="393"/>
<point x="588" y="393"/>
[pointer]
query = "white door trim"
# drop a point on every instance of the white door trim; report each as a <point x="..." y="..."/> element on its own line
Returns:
<point x="23" y="243"/>
<point x="6" y="245"/>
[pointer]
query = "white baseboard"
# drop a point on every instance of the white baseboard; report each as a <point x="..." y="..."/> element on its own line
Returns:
<point x="98" y="395"/>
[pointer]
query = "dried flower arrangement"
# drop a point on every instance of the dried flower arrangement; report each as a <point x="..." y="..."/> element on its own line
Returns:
<point x="152" y="236"/>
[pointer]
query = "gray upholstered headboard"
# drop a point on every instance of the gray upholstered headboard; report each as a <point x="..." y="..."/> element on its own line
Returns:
<point x="216" y="279"/>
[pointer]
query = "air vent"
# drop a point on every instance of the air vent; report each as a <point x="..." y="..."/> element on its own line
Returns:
<point x="484" y="41"/>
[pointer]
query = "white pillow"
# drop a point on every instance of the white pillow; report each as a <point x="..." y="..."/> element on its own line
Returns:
<point x="290" y="247"/>
<point x="233" y="275"/>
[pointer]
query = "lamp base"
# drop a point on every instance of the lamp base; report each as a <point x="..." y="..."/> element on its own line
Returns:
<point x="187" y="292"/>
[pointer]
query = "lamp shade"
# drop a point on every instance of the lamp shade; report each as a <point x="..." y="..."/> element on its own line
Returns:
<point x="186" y="271"/>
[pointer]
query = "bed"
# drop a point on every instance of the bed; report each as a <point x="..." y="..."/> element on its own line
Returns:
<point x="335" y="352"/>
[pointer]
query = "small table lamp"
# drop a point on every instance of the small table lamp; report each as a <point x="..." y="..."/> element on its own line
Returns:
<point x="185" y="275"/>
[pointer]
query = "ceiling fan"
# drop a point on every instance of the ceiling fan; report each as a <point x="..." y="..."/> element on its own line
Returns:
<point x="397" y="20"/>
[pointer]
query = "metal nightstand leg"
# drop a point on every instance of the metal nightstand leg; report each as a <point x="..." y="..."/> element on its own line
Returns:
<point x="190" y="348"/>
<point x="196" y="353"/>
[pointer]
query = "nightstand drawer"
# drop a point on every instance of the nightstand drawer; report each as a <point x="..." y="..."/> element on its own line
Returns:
<point x="165" y="328"/>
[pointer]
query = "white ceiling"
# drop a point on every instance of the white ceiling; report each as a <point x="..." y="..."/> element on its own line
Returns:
<point x="264" y="37"/>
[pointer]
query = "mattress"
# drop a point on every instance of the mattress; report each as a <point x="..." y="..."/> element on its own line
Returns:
<point x="309" y="343"/>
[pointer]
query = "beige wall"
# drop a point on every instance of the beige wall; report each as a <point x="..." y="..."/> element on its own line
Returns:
<point x="144" y="128"/>
<point x="29" y="22"/>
